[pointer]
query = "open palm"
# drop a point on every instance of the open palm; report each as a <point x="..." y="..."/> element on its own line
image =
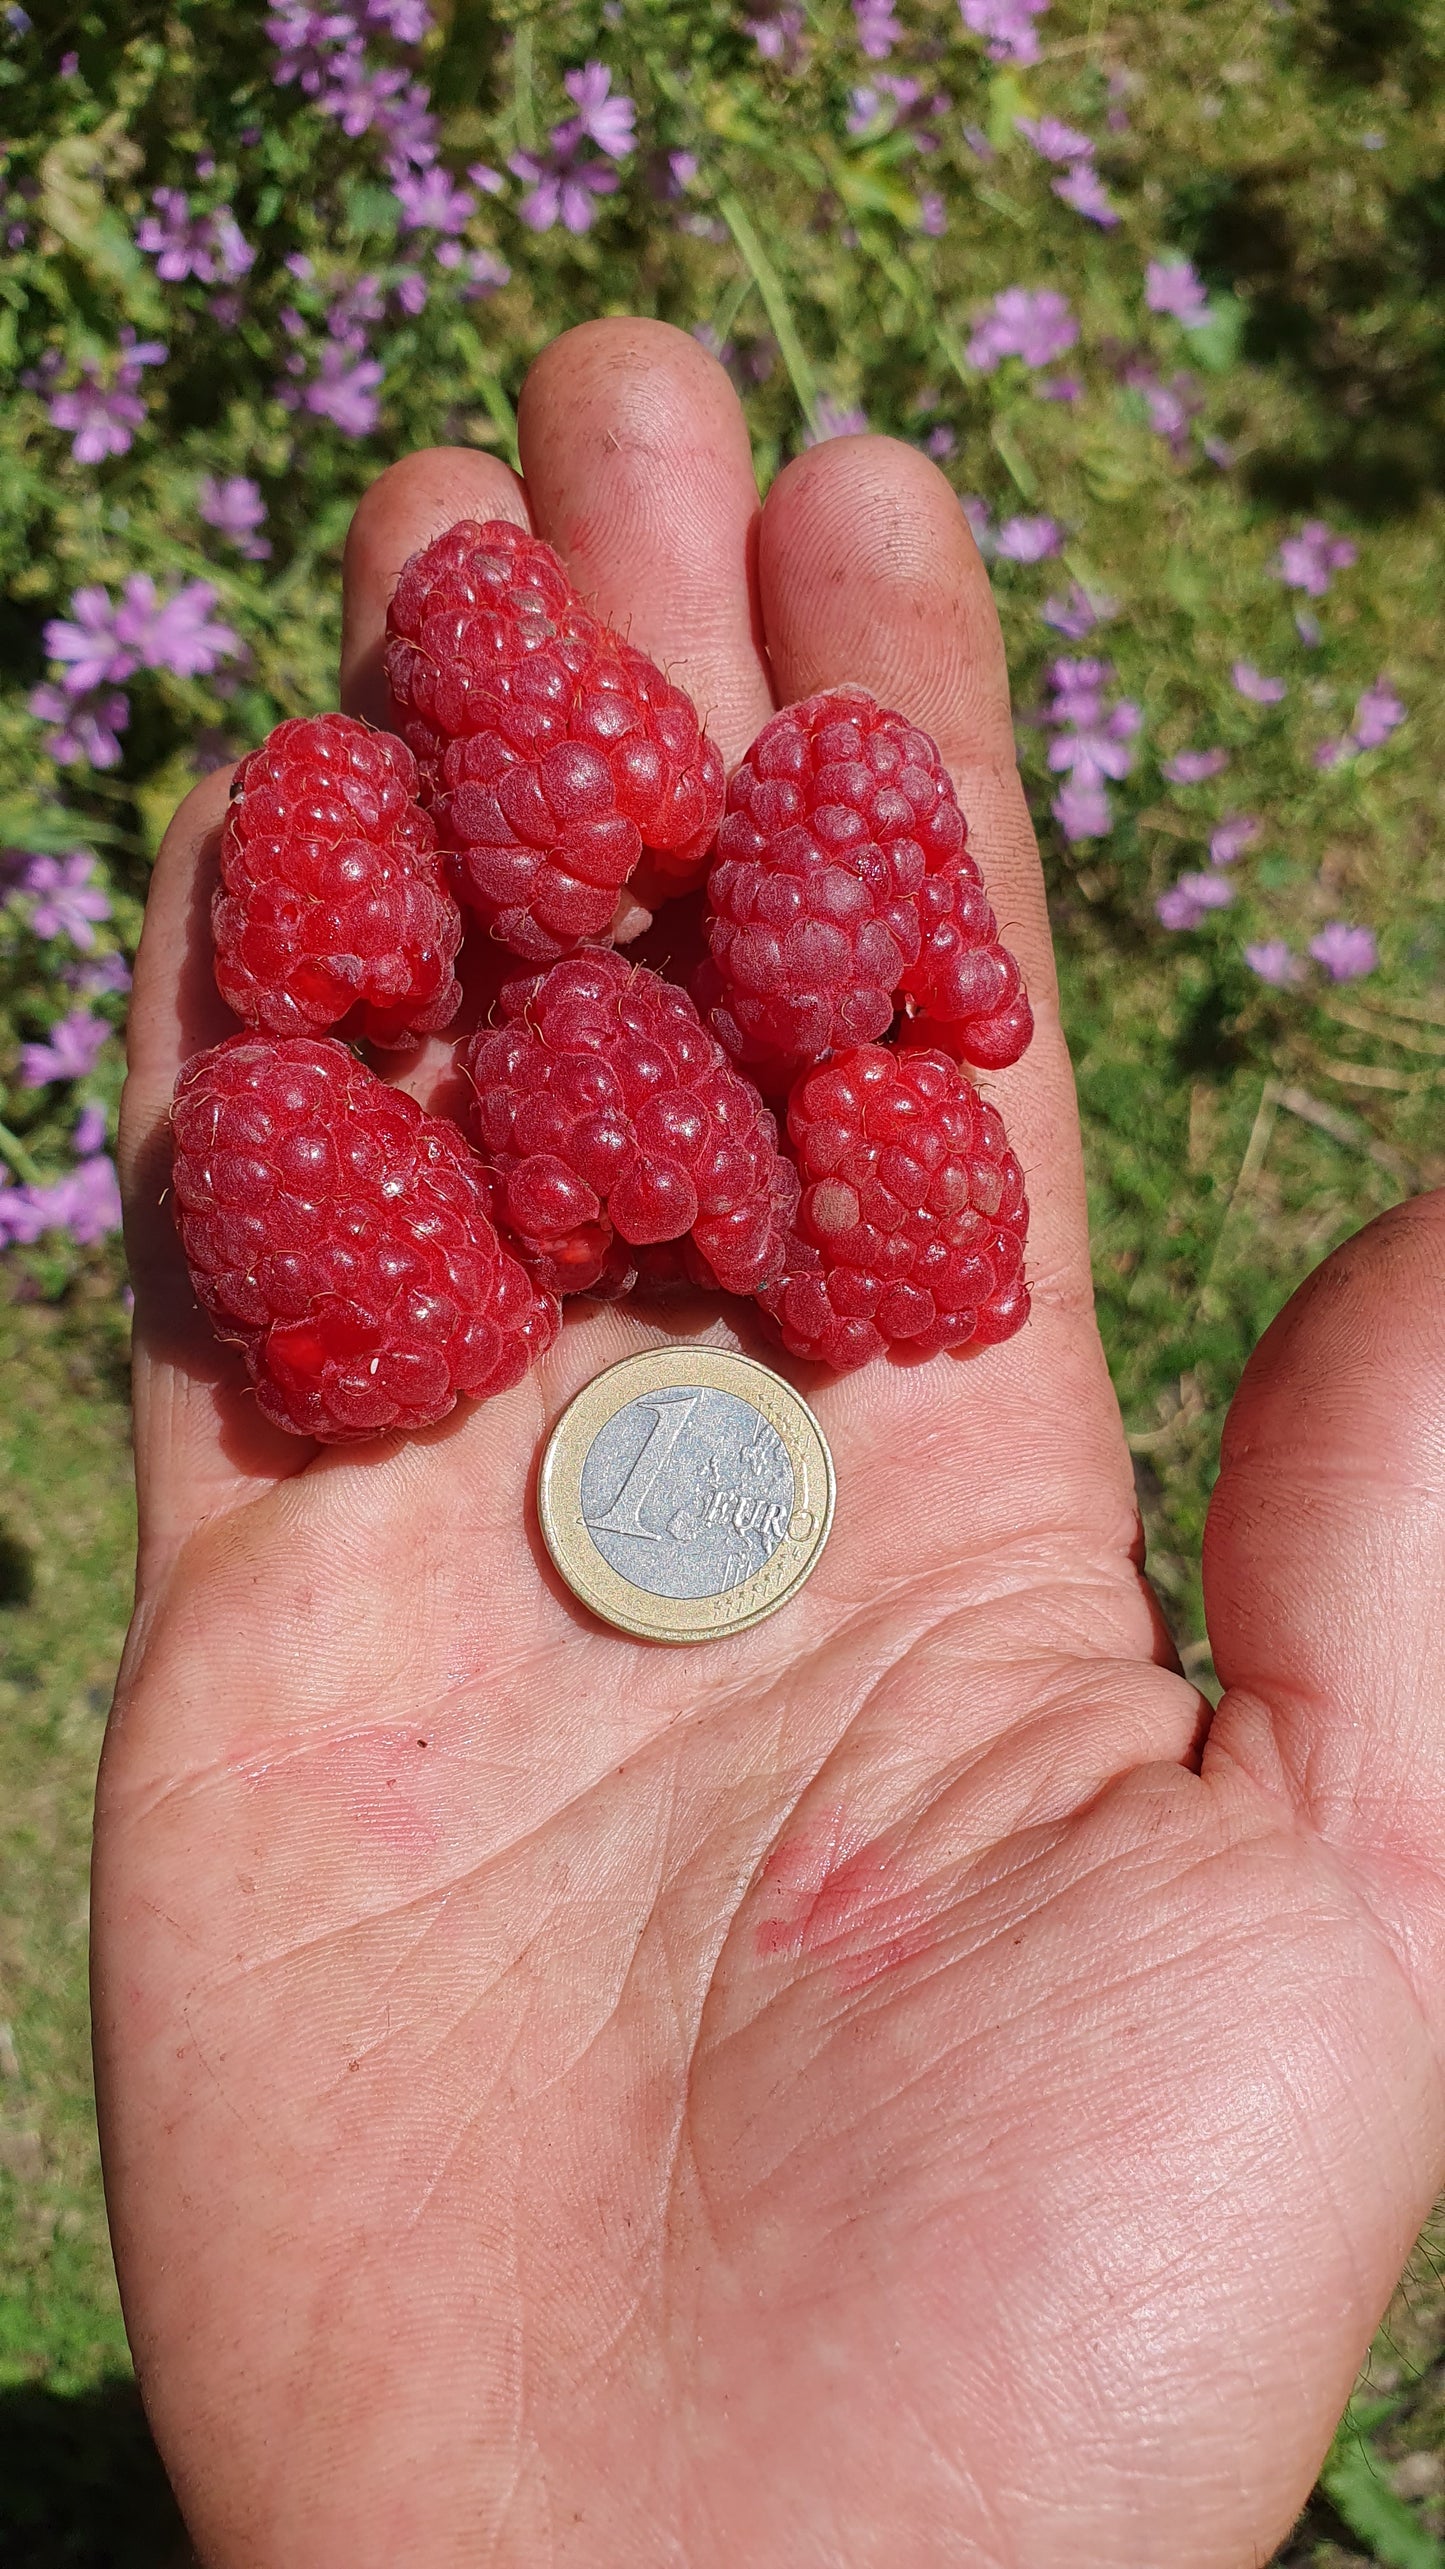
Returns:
<point x="901" y="2086"/>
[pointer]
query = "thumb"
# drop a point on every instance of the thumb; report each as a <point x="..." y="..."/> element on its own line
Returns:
<point x="1324" y="1572"/>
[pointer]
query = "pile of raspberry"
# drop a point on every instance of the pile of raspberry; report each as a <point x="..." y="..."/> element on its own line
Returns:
<point x="545" y="789"/>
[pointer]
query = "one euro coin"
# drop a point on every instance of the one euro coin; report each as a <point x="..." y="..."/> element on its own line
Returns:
<point x="686" y="1493"/>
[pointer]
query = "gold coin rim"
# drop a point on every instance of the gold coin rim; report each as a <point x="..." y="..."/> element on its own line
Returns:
<point x="593" y="1580"/>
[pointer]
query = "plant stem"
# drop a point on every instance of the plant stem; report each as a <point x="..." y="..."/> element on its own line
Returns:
<point x="14" y="1150"/>
<point x="775" y="304"/>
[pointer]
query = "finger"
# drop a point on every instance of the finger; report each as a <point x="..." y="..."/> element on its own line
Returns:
<point x="405" y="508"/>
<point x="1324" y="1569"/>
<point x="868" y="574"/>
<point x="200" y="1442"/>
<point x="639" y="471"/>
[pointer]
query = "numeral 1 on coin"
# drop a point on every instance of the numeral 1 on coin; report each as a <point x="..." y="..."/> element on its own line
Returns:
<point x="625" y="1514"/>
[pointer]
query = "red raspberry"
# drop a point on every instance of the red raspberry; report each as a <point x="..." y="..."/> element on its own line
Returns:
<point x="332" y="897"/>
<point x="551" y="751"/>
<point x="343" y="1240"/>
<point x="965" y="983"/>
<point x="835" y="818"/>
<point x="912" y="1224"/>
<point x="612" y="1116"/>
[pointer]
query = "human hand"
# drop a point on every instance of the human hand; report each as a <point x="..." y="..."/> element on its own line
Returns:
<point x="902" y="2086"/>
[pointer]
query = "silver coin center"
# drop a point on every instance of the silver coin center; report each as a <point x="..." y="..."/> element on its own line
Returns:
<point x="687" y="1491"/>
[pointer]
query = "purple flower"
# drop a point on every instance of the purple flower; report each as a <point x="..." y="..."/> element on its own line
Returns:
<point x="100" y="419"/>
<point x="99" y="422"/>
<point x="88" y="645"/>
<point x="410" y="131"/>
<point x="1083" y="189"/>
<point x="108" y="976"/>
<point x="107" y="642"/>
<point x="1078" y="687"/>
<point x="562" y="190"/>
<point x="778" y="35"/>
<point x="1097" y="751"/>
<point x="1275" y="962"/>
<point x="1333" y="753"/>
<point x="358" y="93"/>
<point x="603" y="119"/>
<point x="832" y="419"/>
<point x="932" y="214"/>
<point x="1006" y="26"/>
<point x="940" y="442"/>
<point x="1169" y="407"/>
<point x="85" y="1202"/>
<point x="1172" y="287"/>
<point x="87" y="730"/>
<point x="175" y="633"/>
<point x="70" y="1053"/>
<point x="978" y="143"/>
<point x="307" y="41"/>
<point x="1310" y="559"/>
<point x="1252" y="683"/>
<point x="235" y="508"/>
<point x="1059" y="388"/>
<point x="1076" y="615"/>
<point x="1035" y="324"/>
<point x="346" y="389"/>
<point x="1346" y="953"/>
<point x="407" y="21"/>
<point x="1055" y="141"/>
<point x="209" y="247"/>
<point x="1378" y="713"/>
<point x="431" y="201"/>
<point x="485" y="274"/>
<point x="1309" y="628"/>
<point x="1195" y="766"/>
<point x="1228" y="843"/>
<point x="67" y="898"/>
<point x="1082" y="810"/>
<point x="1188" y="901"/>
<point x="89" y="1134"/>
<point x="878" y="28"/>
<point x="1029" y="539"/>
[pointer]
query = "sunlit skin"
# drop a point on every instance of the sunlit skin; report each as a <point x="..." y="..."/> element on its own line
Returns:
<point x="906" y="2086"/>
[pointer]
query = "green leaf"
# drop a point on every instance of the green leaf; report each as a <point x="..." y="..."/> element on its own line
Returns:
<point x="775" y="304"/>
<point x="1216" y="342"/>
<point x="488" y="385"/>
<point x="1020" y="472"/>
<point x="1354" y="2482"/>
<point x="1007" y="101"/>
<point x="370" y="211"/>
<point x="72" y="204"/>
<point x="866" y="190"/>
<point x="41" y="830"/>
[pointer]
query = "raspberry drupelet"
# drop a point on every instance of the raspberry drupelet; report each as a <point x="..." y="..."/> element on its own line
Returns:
<point x="552" y="753"/>
<point x="966" y="986"/>
<point x="839" y="820"/>
<point x="343" y="1240"/>
<point x="911" y="1227"/>
<point x="614" y="1122"/>
<point x="332" y="897"/>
